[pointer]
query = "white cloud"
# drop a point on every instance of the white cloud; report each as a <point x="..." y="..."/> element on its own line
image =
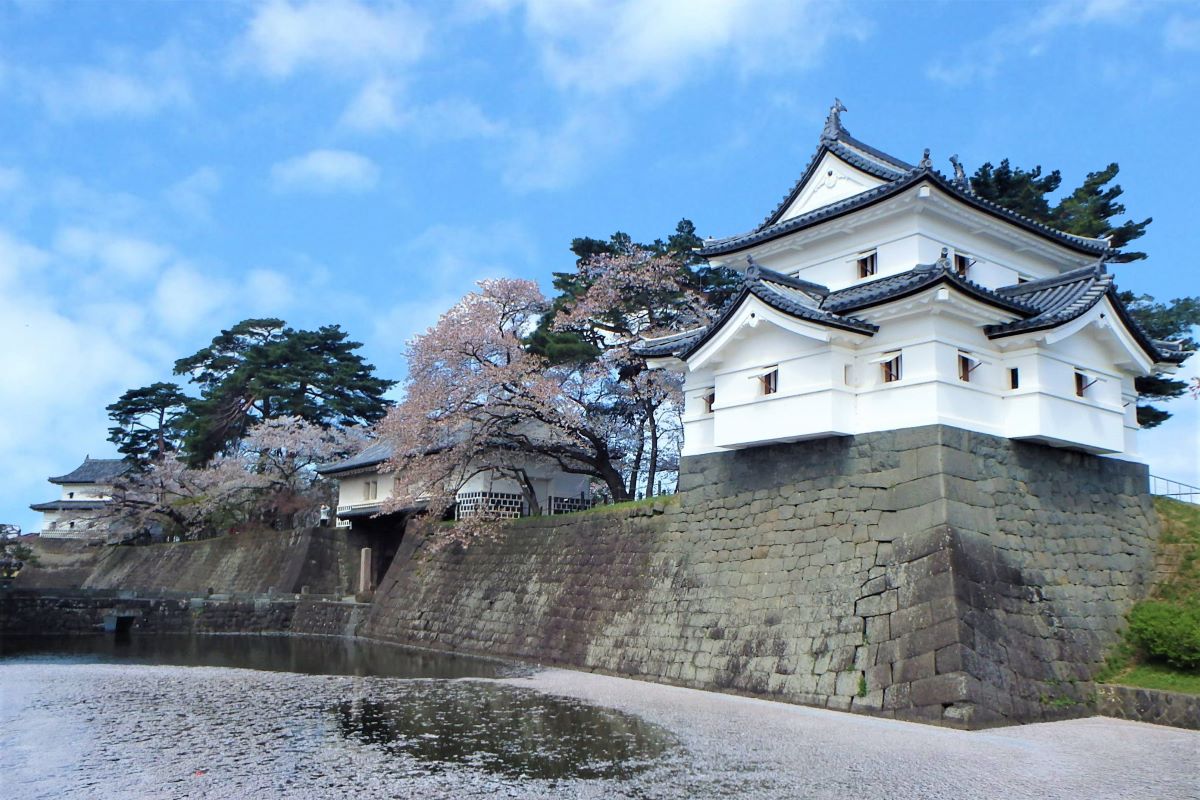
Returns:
<point x="454" y="258"/>
<point x="11" y="179"/>
<point x="185" y="297"/>
<point x="97" y="92"/>
<point x="598" y="45"/>
<point x="326" y="171"/>
<point x="126" y="256"/>
<point x="545" y="160"/>
<point x="192" y="196"/>
<point x="19" y="260"/>
<point x="1029" y="36"/>
<point x="381" y="106"/>
<point x="272" y="291"/>
<point x="341" y="35"/>
<point x="1181" y="33"/>
<point x="374" y="108"/>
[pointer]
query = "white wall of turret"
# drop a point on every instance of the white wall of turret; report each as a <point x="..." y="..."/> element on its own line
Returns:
<point x="908" y="230"/>
<point x="949" y="373"/>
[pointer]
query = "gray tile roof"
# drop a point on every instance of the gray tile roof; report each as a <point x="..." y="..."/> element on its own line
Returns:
<point x="70" y="505"/>
<point x="921" y="277"/>
<point x="95" y="470"/>
<point x="1065" y="297"/>
<point x="373" y="455"/>
<point x="766" y="233"/>
<point x="662" y="346"/>
<point x="795" y="297"/>
<point x="1036" y="304"/>
<point x="858" y="154"/>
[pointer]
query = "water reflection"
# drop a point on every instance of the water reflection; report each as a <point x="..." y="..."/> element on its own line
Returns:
<point x="305" y="655"/>
<point x="504" y="730"/>
<point x="416" y="717"/>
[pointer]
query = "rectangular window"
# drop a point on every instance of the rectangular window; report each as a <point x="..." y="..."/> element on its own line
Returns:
<point x="962" y="264"/>
<point x="892" y="369"/>
<point x="708" y="401"/>
<point x="370" y="490"/>
<point x="965" y="365"/>
<point x="770" y="382"/>
<point x="848" y="375"/>
<point x="1014" y="378"/>
<point x="868" y="265"/>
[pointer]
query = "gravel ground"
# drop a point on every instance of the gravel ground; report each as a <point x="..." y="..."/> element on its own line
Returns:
<point x="124" y="731"/>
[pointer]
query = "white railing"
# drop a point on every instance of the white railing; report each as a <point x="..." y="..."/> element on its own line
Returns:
<point x="1165" y="487"/>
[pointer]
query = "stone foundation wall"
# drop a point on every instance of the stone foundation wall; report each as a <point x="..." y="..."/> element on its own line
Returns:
<point x="929" y="574"/>
<point x="316" y="560"/>
<point x="1148" y="705"/>
<point x="57" y="612"/>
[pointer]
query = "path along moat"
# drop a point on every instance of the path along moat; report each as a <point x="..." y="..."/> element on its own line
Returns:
<point x="260" y="716"/>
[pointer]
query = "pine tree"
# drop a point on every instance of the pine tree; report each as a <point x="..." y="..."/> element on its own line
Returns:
<point x="1090" y="210"/>
<point x="262" y="369"/>
<point x="147" y="421"/>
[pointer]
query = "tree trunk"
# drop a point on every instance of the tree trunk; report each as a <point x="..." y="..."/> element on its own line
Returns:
<point x="530" y="493"/>
<point x="635" y="471"/>
<point x="613" y="480"/>
<point x="652" y="467"/>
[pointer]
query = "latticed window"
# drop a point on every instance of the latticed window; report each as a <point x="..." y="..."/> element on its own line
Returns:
<point x="504" y="505"/>
<point x="566" y="505"/>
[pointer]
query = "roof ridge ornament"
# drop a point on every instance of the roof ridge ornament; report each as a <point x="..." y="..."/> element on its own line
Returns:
<point x="925" y="162"/>
<point x="753" y="270"/>
<point x="943" y="261"/>
<point x="833" y="122"/>
<point x="960" y="174"/>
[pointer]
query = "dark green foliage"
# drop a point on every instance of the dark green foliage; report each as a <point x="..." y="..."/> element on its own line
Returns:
<point x="147" y="421"/>
<point x="1090" y="211"/>
<point x="1087" y="211"/>
<point x="571" y="347"/>
<point x="260" y="369"/>
<point x="13" y="555"/>
<point x="1020" y="190"/>
<point x="1168" y="632"/>
<point x="1171" y="323"/>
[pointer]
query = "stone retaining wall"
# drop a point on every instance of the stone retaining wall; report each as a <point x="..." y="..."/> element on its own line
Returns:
<point x="1149" y="705"/>
<point x="929" y="574"/>
<point x="81" y="612"/>
<point x="316" y="560"/>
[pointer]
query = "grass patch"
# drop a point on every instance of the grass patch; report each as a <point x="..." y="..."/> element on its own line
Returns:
<point x="629" y="505"/>
<point x="1157" y="676"/>
<point x="1174" y="600"/>
<point x="1180" y="529"/>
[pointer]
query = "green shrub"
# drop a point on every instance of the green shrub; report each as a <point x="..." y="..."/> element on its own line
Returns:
<point x="1167" y="632"/>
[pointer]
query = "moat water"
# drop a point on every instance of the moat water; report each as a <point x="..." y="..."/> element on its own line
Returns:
<point x="232" y="716"/>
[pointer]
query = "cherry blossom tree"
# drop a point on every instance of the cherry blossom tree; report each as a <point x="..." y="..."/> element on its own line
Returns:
<point x="267" y="481"/>
<point x="477" y="399"/>
<point x="630" y="295"/>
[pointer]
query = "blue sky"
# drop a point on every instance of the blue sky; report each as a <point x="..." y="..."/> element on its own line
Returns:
<point x="167" y="169"/>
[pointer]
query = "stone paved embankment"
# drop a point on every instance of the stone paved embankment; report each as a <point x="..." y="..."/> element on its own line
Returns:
<point x="113" y="731"/>
<point x="930" y="574"/>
